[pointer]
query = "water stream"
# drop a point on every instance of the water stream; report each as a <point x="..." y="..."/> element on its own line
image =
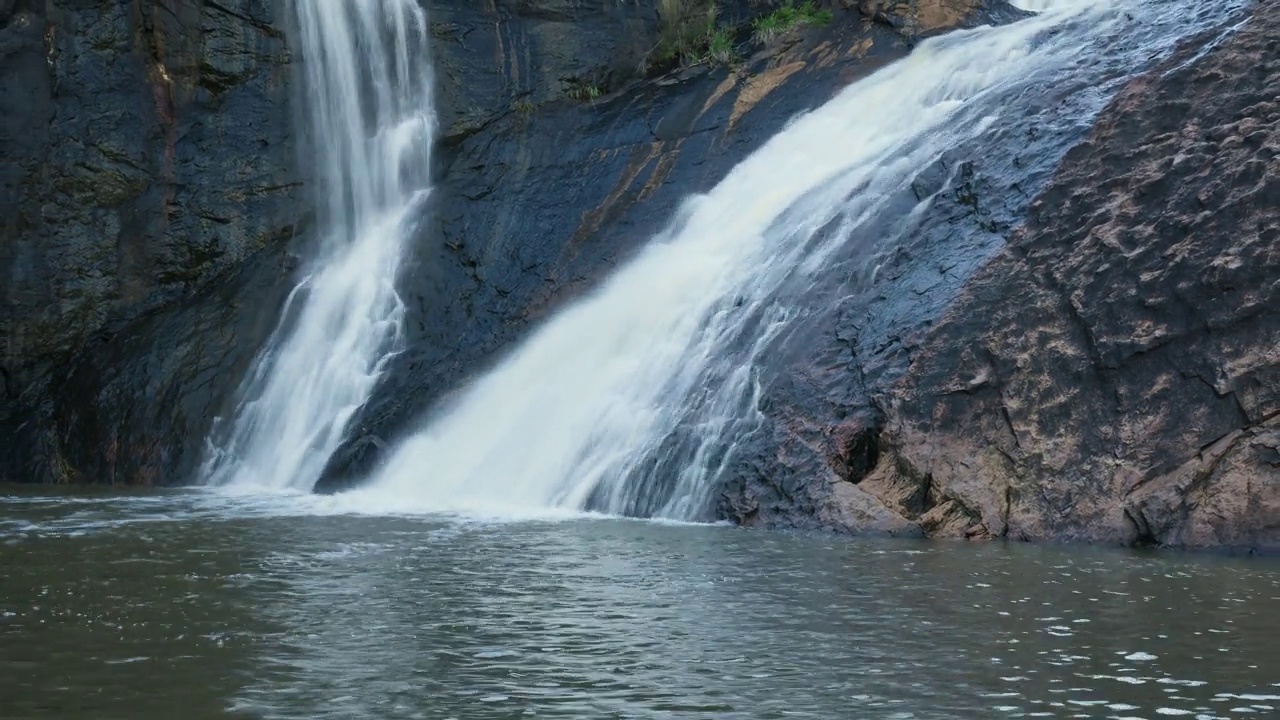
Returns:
<point x="367" y="124"/>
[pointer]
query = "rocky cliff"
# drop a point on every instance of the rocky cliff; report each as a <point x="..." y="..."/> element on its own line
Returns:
<point x="1083" y="349"/>
<point x="144" y="160"/>
<point x="155" y="209"/>
<point x="1113" y="374"/>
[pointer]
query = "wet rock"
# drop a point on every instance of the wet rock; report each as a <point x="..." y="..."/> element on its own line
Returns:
<point x="154" y="212"/>
<point x="498" y="58"/>
<point x="539" y="204"/>
<point x="134" y="409"/>
<point x="1113" y="375"/>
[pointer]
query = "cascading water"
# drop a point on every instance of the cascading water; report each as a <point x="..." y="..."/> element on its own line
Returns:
<point x="368" y="120"/>
<point x="574" y="416"/>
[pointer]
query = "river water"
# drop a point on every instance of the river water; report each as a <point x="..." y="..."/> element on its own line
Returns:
<point x="192" y="604"/>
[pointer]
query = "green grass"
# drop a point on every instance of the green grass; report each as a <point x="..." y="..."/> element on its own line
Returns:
<point x="769" y="28"/>
<point x="720" y="47"/>
<point x="585" y="92"/>
<point x="690" y="35"/>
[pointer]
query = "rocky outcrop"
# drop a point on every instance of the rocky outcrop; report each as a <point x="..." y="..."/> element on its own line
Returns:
<point x="1118" y="372"/>
<point x="1113" y="374"/>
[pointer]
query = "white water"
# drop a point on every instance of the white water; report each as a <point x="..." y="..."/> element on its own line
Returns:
<point x="369" y="122"/>
<point x="573" y="414"/>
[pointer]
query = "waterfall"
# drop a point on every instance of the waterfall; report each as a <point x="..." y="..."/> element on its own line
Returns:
<point x="368" y="121"/>
<point x="576" y="415"/>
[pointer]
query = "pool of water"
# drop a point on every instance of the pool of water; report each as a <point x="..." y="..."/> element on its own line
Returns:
<point x="195" y="605"/>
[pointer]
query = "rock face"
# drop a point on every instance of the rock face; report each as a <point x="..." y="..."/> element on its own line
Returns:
<point x="1113" y="374"/>
<point x="143" y="160"/>
<point x="154" y="212"/>
<point x="538" y="202"/>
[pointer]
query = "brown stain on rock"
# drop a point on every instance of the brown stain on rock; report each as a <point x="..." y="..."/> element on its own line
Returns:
<point x="920" y="17"/>
<point x="661" y="170"/>
<point x="592" y="219"/>
<point x="758" y="87"/>
<point x="718" y="94"/>
<point x="828" y="54"/>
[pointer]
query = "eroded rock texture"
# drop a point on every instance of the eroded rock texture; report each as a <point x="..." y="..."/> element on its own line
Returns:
<point x="1112" y="375"/>
<point x="1115" y="374"/>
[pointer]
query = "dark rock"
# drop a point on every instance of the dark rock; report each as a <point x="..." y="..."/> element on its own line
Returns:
<point x="144" y="158"/>
<point x="125" y="410"/>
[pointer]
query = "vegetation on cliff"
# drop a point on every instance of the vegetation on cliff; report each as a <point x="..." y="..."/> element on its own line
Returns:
<point x="692" y="31"/>
<point x="769" y="28"/>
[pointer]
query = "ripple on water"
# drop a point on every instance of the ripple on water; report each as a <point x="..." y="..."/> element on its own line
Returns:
<point x="1139" y="656"/>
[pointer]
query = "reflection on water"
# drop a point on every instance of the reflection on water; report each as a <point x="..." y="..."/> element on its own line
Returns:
<point x="139" y="606"/>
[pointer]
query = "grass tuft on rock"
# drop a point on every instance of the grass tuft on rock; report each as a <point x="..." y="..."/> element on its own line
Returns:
<point x="690" y="35"/>
<point x="585" y="92"/>
<point x="720" y="48"/>
<point x="769" y="28"/>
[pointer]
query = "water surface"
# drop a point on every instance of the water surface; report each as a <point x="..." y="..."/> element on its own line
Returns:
<point x="144" y="606"/>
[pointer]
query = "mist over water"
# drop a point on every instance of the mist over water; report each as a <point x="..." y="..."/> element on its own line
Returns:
<point x="368" y="124"/>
